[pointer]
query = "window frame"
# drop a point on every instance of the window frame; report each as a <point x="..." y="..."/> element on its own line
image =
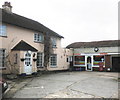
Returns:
<point x="54" y="42"/>
<point x="3" y="30"/>
<point x="96" y="62"/>
<point x="53" y="63"/>
<point x="69" y="59"/>
<point x="38" y="37"/>
<point x="40" y="60"/>
<point x="79" y="61"/>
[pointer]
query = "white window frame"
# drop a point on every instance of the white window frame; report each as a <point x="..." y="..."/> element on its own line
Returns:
<point x="40" y="60"/>
<point x="2" y="58"/>
<point x="53" y="60"/>
<point x="3" y="31"/>
<point x="69" y="59"/>
<point x="38" y="37"/>
<point x="54" y="42"/>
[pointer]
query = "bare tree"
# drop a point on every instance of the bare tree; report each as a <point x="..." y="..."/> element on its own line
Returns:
<point x="48" y="50"/>
<point x="11" y="67"/>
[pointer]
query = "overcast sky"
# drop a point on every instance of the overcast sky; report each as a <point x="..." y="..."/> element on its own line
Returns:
<point x="75" y="20"/>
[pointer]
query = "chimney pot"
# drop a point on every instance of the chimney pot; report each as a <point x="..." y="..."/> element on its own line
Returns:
<point x="7" y="7"/>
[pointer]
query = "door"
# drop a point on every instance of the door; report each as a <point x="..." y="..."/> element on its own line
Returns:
<point x="28" y="63"/>
<point x="108" y="62"/>
<point x="116" y="64"/>
<point x="89" y="63"/>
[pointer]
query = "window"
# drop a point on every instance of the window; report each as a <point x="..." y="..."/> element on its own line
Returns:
<point x="15" y="58"/>
<point x="38" y="37"/>
<point x="3" y="30"/>
<point x="53" y="40"/>
<point x="2" y="58"/>
<point x="69" y="59"/>
<point x="53" y="60"/>
<point x="79" y="60"/>
<point x="39" y="59"/>
<point x="98" y="59"/>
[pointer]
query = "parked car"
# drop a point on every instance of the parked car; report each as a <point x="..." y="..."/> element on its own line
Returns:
<point x="3" y="85"/>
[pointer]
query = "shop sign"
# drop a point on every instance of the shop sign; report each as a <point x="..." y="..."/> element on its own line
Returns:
<point x="103" y="53"/>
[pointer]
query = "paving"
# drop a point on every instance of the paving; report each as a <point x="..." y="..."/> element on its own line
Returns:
<point x="67" y="85"/>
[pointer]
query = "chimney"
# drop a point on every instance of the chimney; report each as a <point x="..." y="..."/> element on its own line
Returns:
<point x="7" y="7"/>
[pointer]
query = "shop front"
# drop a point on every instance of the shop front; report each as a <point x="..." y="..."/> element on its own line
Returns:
<point x="90" y="62"/>
<point x="96" y="55"/>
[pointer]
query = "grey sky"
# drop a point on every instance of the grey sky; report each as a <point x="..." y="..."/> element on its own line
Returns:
<point x="76" y="20"/>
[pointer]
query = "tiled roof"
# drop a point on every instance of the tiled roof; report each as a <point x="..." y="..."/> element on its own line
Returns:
<point x="15" y="19"/>
<point x="23" y="46"/>
<point x="108" y="43"/>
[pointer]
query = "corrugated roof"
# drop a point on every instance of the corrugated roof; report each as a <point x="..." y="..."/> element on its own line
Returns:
<point x="107" y="43"/>
<point x="15" y="19"/>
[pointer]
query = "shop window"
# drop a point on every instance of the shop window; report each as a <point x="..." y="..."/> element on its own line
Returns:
<point x="97" y="60"/>
<point x="79" y="60"/>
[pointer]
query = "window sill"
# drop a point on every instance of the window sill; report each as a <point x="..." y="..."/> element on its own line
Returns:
<point x="97" y="66"/>
<point x="2" y="68"/>
<point x="54" y="47"/>
<point x="39" y="42"/>
<point x="40" y="67"/>
<point x="3" y="36"/>
<point x="53" y="66"/>
<point x="79" y="65"/>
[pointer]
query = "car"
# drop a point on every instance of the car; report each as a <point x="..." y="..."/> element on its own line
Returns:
<point x="3" y="85"/>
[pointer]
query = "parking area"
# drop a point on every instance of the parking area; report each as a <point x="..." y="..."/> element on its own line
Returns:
<point x="69" y="85"/>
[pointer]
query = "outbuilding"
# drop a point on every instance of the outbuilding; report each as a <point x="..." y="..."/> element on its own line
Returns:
<point x="96" y="55"/>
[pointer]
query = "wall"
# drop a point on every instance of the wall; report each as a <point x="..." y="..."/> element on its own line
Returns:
<point x="16" y="34"/>
<point x="107" y="52"/>
<point x="62" y="55"/>
<point x="101" y="50"/>
<point x="34" y="68"/>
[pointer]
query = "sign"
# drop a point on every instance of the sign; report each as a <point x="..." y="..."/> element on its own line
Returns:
<point x="77" y="54"/>
<point x="103" y="53"/>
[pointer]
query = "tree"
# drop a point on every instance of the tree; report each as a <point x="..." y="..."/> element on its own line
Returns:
<point x="48" y="50"/>
<point x="11" y="66"/>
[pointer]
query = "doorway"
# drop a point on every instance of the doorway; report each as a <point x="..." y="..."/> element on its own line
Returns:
<point x="28" y="63"/>
<point x="116" y="64"/>
<point x="89" y="63"/>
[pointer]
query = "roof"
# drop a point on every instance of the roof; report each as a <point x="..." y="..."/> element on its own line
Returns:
<point x="23" y="46"/>
<point x="108" y="43"/>
<point x="15" y="19"/>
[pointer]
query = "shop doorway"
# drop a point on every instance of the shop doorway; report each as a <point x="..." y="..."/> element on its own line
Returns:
<point x="89" y="63"/>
